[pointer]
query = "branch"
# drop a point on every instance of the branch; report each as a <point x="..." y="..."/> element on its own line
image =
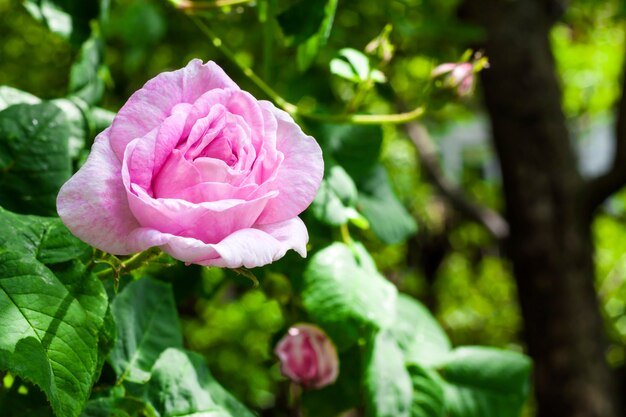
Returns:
<point x="490" y="219"/>
<point x="600" y="188"/>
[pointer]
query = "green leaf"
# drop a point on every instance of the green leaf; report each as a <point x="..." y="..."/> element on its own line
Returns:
<point x="67" y="18"/>
<point x="342" y="69"/>
<point x="389" y="219"/>
<point x="147" y="324"/>
<point x="344" y="394"/>
<point x="34" y="157"/>
<point x="336" y="198"/>
<point x="343" y="292"/>
<point x="309" y="49"/>
<point x="10" y="96"/>
<point x="358" y="61"/>
<point x="387" y="383"/>
<point x="302" y="20"/>
<point x="428" y="396"/>
<point x="181" y="385"/>
<point x="355" y="147"/>
<point x="50" y="325"/>
<point x="485" y="382"/>
<point x="88" y="73"/>
<point x="77" y="115"/>
<point x="418" y="334"/>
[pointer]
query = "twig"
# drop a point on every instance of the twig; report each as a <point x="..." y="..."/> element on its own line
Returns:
<point x="495" y="224"/>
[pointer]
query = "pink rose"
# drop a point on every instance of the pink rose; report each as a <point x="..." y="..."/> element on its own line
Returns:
<point x="308" y="356"/>
<point x="198" y="167"/>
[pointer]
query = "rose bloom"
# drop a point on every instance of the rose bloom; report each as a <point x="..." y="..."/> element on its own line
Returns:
<point x="198" y="167"/>
<point x="308" y="357"/>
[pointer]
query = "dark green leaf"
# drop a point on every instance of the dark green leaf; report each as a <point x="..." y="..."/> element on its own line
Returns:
<point x="355" y="147"/>
<point x="343" y="292"/>
<point x="418" y="334"/>
<point x="67" y="18"/>
<point x="302" y="20"/>
<point x="388" y="385"/>
<point x="428" y="397"/>
<point x="87" y="76"/>
<point x="34" y="157"/>
<point x="308" y="50"/>
<point x="147" y="324"/>
<point x="485" y="382"/>
<point x="344" y="394"/>
<point x="50" y="324"/>
<point x="390" y="221"/>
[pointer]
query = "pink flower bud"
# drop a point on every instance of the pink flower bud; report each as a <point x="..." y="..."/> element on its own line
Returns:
<point x="308" y="356"/>
<point x="459" y="76"/>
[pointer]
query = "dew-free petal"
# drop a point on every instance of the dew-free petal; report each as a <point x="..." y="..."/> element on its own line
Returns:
<point x="93" y="205"/>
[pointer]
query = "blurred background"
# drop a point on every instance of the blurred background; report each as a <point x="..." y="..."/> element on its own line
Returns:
<point x="465" y="272"/>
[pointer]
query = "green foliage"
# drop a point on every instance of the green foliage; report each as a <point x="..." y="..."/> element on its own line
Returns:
<point x="388" y="387"/>
<point x="51" y="323"/>
<point x="67" y="18"/>
<point x="343" y="292"/>
<point x="30" y="176"/>
<point x="181" y="385"/>
<point x="87" y="75"/>
<point x="419" y="336"/>
<point x="428" y="394"/>
<point x="485" y="382"/>
<point x="145" y="315"/>
<point x="336" y="199"/>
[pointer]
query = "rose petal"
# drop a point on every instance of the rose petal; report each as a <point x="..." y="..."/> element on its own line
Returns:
<point x="93" y="204"/>
<point x="150" y="105"/>
<point x="300" y="173"/>
<point x="251" y="247"/>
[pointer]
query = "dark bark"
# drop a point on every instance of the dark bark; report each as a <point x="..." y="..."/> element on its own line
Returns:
<point x="547" y="208"/>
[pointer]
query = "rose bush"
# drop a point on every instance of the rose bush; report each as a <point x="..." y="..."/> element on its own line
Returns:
<point x="308" y="357"/>
<point x="198" y="167"/>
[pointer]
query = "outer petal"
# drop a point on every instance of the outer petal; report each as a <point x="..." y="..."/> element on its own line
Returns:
<point x="300" y="173"/>
<point x="93" y="204"/>
<point x="151" y="104"/>
<point x="247" y="247"/>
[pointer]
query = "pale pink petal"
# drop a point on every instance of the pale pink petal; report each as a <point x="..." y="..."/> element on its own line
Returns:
<point x="250" y="248"/>
<point x="153" y="103"/>
<point x="300" y="173"/>
<point x="92" y="204"/>
<point x="443" y="68"/>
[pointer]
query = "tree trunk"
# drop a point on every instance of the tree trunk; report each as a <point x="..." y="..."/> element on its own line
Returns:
<point x="550" y="242"/>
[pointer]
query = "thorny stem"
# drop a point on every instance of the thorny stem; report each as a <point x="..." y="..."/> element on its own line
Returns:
<point x="130" y="264"/>
<point x="357" y="119"/>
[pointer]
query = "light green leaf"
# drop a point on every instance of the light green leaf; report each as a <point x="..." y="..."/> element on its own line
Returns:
<point x="50" y="325"/>
<point x="485" y="382"/>
<point x="358" y="61"/>
<point x="10" y="96"/>
<point x="418" y="334"/>
<point x="342" y="69"/>
<point x="388" y="385"/>
<point x="147" y="324"/>
<point x="343" y="292"/>
<point x="336" y="198"/>
<point x="428" y="396"/>
<point x="181" y="385"/>
<point x="390" y="221"/>
<point x="34" y="157"/>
